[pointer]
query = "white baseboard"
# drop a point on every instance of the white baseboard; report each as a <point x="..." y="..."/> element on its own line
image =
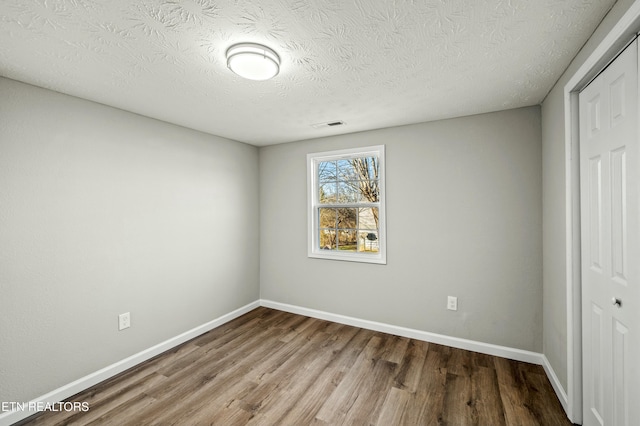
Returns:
<point x="470" y="345"/>
<point x="555" y="382"/>
<point x="64" y="392"/>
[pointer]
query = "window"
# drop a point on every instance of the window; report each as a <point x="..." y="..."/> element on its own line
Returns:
<point x="346" y="205"/>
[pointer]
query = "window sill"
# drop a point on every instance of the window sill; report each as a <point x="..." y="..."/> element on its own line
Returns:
<point x="349" y="257"/>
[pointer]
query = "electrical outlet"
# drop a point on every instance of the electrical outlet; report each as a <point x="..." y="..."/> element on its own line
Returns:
<point x="452" y="303"/>
<point x="124" y="321"/>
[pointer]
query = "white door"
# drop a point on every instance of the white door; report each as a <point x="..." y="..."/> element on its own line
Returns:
<point x="610" y="220"/>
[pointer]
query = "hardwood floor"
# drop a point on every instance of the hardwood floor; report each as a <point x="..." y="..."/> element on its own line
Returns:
<point x="275" y="368"/>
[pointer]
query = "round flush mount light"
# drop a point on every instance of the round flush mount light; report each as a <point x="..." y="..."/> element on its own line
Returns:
<point x="253" y="61"/>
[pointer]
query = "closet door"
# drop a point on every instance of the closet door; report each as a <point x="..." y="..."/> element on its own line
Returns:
<point x="610" y="221"/>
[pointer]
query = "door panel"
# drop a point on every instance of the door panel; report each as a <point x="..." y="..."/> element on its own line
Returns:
<point x="619" y="215"/>
<point x="620" y="367"/>
<point x="597" y="369"/>
<point x="595" y="213"/>
<point x="610" y="218"/>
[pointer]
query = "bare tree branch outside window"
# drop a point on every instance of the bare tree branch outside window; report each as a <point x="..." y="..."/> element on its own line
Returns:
<point x="355" y="183"/>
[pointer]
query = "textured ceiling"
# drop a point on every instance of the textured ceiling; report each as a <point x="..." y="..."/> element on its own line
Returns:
<point x="369" y="63"/>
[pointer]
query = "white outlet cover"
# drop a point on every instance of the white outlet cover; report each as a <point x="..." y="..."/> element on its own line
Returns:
<point x="452" y="303"/>
<point x="124" y="321"/>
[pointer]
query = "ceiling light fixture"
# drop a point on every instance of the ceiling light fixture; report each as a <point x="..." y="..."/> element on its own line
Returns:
<point x="253" y="61"/>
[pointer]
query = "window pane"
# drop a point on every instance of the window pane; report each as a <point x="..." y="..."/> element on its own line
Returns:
<point x="327" y="239"/>
<point x="328" y="192"/>
<point x="347" y="218"/>
<point x="372" y="167"/>
<point x="368" y="218"/>
<point x="347" y="240"/>
<point x="346" y="170"/>
<point x="365" y="168"/>
<point x="348" y="192"/>
<point x="369" y="191"/>
<point x="368" y="241"/>
<point x="327" y="218"/>
<point x="327" y="171"/>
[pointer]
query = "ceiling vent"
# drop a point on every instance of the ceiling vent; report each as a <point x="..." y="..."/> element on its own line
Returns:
<point x="328" y="124"/>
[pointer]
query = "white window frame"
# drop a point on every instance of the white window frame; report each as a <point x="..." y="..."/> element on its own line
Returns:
<point x="313" y="203"/>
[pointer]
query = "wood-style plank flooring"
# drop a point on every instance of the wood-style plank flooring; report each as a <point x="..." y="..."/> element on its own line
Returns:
<point x="275" y="368"/>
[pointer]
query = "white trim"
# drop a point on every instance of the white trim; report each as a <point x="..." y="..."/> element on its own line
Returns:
<point x="555" y="382"/>
<point x="573" y="267"/>
<point x="619" y="35"/>
<point x="456" y="342"/>
<point x="313" y="250"/>
<point x="94" y="378"/>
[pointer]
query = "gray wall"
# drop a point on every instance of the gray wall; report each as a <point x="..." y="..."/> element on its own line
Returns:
<point x="463" y="218"/>
<point x="554" y="204"/>
<point x="103" y="212"/>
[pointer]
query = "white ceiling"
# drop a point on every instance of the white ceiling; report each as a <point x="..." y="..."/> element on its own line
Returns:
<point x="369" y="63"/>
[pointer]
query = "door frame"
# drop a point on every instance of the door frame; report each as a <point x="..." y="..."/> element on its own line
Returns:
<point x="613" y="43"/>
